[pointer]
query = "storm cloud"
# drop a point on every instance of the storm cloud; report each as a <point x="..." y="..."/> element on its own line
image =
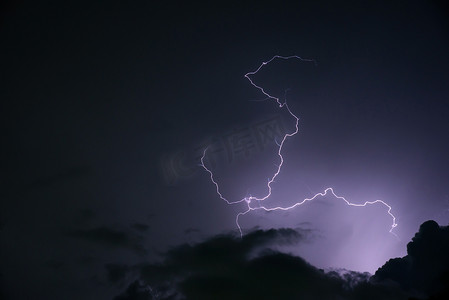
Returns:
<point x="425" y="269"/>
<point x="230" y="267"/>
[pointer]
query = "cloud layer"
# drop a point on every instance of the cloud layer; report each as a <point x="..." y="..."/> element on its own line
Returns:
<point x="228" y="267"/>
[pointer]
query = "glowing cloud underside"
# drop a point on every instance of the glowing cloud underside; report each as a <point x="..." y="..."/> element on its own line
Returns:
<point x="249" y="200"/>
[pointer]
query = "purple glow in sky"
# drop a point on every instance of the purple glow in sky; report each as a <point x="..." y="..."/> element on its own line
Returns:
<point x="249" y="200"/>
<point x="107" y="109"/>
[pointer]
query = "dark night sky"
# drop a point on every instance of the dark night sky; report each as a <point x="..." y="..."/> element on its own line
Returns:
<point x="105" y="107"/>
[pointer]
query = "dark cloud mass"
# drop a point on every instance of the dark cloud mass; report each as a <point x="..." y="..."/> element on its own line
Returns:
<point x="425" y="268"/>
<point x="227" y="267"/>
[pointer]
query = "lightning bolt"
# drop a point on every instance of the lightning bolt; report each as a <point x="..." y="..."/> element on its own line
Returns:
<point x="250" y="199"/>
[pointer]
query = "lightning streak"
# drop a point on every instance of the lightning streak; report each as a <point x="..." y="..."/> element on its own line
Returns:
<point x="250" y="199"/>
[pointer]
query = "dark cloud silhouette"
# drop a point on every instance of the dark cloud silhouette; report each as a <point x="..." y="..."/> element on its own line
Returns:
<point x="108" y="237"/>
<point x="425" y="268"/>
<point x="230" y="267"/>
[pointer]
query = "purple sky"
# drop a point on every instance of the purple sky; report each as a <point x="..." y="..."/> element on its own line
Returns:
<point x="105" y="110"/>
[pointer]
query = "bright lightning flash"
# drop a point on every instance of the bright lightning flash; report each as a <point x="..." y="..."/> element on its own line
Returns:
<point x="249" y="200"/>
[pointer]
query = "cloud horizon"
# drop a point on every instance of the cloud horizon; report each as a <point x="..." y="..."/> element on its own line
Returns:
<point x="229" y="267"/>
